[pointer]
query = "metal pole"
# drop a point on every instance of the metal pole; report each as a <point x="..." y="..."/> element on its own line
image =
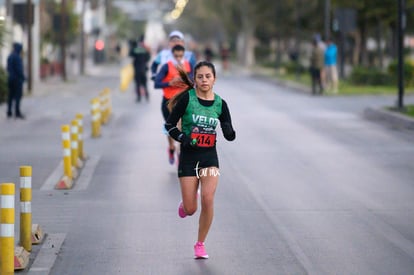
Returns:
<point x="29" y="16"/>
<point x="401" y="27"/>
<point x="63" y="37"/>
<point x="327" y="22"/>
<point x="82" y="40"/>
<point x="297" y="38"/>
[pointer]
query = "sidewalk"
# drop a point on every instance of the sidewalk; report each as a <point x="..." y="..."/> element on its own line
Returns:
<point x="381" y="115"/>
<point x="36" y="141"/>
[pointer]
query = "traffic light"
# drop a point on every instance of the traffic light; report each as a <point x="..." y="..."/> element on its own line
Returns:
<point x="99" y="51"/>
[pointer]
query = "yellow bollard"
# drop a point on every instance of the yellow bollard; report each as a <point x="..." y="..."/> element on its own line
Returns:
<point x="68" y="172"/>
<point x="96" y="117"/>
<point x="7" y="192"/>
<point x="126" y="77"/>
<point x="26" y="207"/>
<point x="67" y="159"/>
<point x="81" y="152"/>
<point x="109" y="102"/>
<point x="106" y="106"/>
<point x="74" y="133"/>
<point x="102" y="101"/>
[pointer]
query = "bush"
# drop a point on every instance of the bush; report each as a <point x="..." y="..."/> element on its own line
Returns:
<point x="262" y="53"/>
<point x="293" y="67"/>
<point x="370" y="76"/>
<point x="408" y="72"/>
<point x="3" y="85"/>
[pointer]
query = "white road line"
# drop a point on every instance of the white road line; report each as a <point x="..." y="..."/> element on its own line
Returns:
<point x="83" y="180"/>
<point x="53" y="179"/>
<point x="47" y="254"/>
<point x="86" y="173"/>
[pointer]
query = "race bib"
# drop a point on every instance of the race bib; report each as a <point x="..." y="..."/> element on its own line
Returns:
<point x="205" y="136"/>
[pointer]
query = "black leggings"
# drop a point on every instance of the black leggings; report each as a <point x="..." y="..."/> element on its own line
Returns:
<point x="164" y="109"/>
<point x="141" y="81"/>
<point x="15" y="94"/>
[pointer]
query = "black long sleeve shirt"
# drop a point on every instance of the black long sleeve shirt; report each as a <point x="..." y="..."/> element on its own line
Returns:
<point x="179" y="110"/>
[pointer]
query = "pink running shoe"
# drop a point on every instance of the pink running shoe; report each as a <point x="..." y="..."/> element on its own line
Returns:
<point x="200" y="251"/>
<point x="181" y="211"/>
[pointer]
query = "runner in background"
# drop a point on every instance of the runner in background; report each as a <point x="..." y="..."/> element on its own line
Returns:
<point x="171" y="83"/>
<point x="174" y="38"/>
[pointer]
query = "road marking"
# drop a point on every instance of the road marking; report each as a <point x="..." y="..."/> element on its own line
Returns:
<point x="47" y="254"/>
<point x="81" y="183"/>
<point x="87" y="173"/>
<point x="53" y="179"/>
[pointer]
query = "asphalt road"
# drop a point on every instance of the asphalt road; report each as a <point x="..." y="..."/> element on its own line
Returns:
<point x="308" y="186"/>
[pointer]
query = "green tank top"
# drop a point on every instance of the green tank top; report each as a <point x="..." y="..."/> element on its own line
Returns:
<point x="200" y="122"/>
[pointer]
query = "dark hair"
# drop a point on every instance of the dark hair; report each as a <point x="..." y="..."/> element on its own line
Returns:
<point x="190" y="84"/>
<point x="206" y="64"/>
<point x="178" y="48"/>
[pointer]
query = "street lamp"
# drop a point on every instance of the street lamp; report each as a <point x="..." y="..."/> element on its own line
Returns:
<point x="62" y="36"/>
<point x="401" y="27"/>
<point x="327" y="21"/>
<point x="29" y="16"/>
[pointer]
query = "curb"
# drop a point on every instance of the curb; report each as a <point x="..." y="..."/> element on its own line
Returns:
<point x="389" y="117"/>
<point x="47" y="255"/>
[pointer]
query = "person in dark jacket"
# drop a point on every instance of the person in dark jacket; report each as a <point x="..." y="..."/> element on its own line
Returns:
<point x="140" y="54"/>
<point x="15" y="81"/>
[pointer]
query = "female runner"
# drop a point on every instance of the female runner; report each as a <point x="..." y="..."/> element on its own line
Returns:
<point x="200" y="110"/>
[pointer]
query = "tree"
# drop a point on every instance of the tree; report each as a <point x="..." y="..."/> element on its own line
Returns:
<point x="3" y="75"/>
<point x="290" y="22"/>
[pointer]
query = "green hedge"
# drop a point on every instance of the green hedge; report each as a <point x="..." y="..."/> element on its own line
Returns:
<point x="376" y="77"/>
<point x="294" y="67"/>
<point x="370" y="76"/>
<point x="408" y="72"/>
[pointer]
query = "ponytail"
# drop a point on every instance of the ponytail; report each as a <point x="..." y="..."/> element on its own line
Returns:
<point x="184" y="77"/>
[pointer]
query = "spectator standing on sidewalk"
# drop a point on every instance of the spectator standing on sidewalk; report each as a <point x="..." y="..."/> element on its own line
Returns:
<point x="316" y="66"/>
<point x="225" y="55"/>
<point x="141" y="56"/>
<point x="331" y="71"/>
<point x="15" y="81"/>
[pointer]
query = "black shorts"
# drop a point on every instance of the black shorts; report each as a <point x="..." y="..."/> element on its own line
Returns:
<point x="192" y="160"/>
<point x="164" y="108"/>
